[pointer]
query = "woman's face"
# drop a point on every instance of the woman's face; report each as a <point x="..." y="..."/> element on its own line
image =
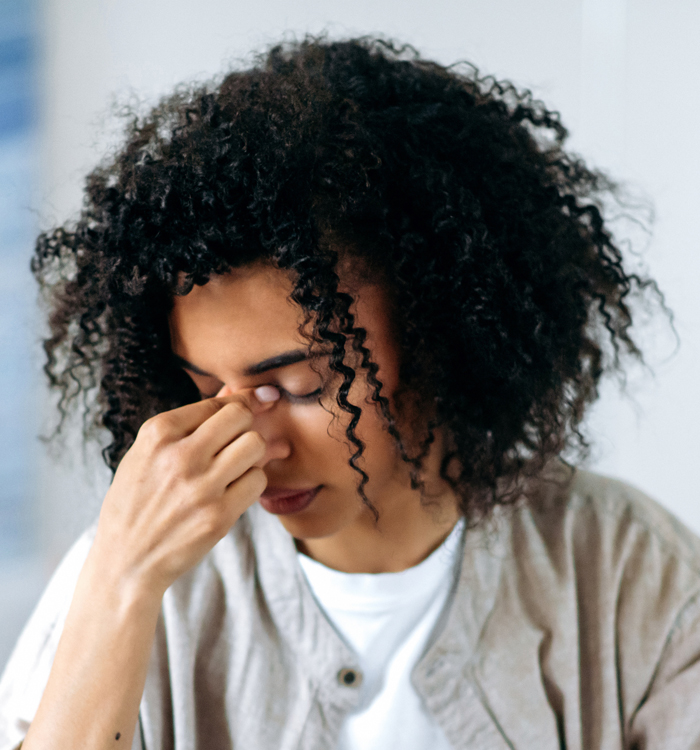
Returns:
<point x="240" y="331"/>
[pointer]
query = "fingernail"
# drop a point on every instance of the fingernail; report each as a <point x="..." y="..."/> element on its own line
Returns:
<point x="267" y="393"/>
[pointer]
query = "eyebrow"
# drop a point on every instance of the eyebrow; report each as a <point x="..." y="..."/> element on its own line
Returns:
<point x="271" y="363"/>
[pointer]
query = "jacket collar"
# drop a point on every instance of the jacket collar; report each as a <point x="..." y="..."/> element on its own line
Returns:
<point x="313" y="642"/>
<point x="479" y="676"/>
<point x="444" y="676"/>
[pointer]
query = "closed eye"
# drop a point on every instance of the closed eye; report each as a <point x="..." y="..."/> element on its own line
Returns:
<point x="303" y="398"/>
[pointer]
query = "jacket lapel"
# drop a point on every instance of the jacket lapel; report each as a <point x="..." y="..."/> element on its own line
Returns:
<point x="480" y="677"/>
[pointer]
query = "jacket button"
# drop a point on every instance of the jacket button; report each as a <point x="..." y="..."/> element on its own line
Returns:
<point x="350" y="677"/>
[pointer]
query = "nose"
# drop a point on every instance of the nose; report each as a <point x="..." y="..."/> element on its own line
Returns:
<point x="265" y="422"/>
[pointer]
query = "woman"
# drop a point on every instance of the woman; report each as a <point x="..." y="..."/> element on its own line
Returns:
<point x="341" y="314"/>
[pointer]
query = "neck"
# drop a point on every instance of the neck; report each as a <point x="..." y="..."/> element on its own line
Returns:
<point x="404" y="535"/>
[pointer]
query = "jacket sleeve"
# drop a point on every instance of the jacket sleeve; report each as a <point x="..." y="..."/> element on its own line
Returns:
<point x="27" y="671"/>
<point x="669" y="716"/>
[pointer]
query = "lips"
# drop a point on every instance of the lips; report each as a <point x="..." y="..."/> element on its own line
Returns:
<point x="284" y="500"/>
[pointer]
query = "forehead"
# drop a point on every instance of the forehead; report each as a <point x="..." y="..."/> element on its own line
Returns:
<point x="246" y="316"/>
<point x="248" y="310"/>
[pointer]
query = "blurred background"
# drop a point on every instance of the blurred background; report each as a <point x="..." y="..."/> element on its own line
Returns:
<point x="625" y="75"/>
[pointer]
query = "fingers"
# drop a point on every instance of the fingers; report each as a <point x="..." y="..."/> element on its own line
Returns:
<point x="244" y="492"/>
<point x="186" y="480"/>
<point x="178" y="423"/>
<point x="234" y="417"/>
<point x="232" y="420"/>
<point x="185" y="420"/>
<point x="237" y="457"/>
<point x="263" y="394"/>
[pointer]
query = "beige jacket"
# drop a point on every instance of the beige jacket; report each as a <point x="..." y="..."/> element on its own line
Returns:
<point x="574" y="623"/>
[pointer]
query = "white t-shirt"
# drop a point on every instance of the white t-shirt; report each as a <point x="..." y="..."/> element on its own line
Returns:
<point x="387" y="618"/>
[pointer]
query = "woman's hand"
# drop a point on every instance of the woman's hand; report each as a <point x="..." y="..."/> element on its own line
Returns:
<point x="185" y="481"/>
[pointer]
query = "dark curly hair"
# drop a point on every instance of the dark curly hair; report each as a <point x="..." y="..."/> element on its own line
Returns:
<point x="509" y="293"/>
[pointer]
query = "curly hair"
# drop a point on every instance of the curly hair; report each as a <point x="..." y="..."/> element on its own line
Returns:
<point x="509" y="292"/>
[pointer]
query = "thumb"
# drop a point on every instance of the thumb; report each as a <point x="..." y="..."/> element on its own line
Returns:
<point x="257" y="399"/>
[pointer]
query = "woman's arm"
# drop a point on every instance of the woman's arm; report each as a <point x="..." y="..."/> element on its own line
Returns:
<point x="94" y="689"/>
<point x="667" y="718"/>
<point x="186" y="480"/>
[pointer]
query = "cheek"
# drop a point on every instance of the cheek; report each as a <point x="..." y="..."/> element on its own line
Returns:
<point x="380" y="455"/>
<point x="319" y="434"/>
<point x="324" y="435"/>
<point x="322" y="431"/>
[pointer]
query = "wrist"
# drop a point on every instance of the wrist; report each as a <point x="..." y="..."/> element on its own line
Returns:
<point x="112" y="587"/>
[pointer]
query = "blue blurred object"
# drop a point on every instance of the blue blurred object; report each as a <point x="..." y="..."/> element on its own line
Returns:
<point x="17" y="230"/>
<point x="16" y="94"/>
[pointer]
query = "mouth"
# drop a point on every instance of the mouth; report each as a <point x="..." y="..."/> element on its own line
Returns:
<point x="282" y="501"/>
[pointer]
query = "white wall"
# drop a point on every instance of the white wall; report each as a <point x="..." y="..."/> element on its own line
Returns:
<point x="625" y="77"/>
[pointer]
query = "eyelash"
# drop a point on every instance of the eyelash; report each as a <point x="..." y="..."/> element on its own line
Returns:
<point x="304" y="398"/>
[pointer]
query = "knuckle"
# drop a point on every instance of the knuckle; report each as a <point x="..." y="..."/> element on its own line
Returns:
<point x="211" y="523"/>
<point x="156" y="429"/>
<point x="178" y="460"/>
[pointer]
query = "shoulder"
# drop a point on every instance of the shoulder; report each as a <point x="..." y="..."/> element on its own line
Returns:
<point x="619" y="504"/>
<point x="596" y="596"/>
<point x="597" y="518"/>
<point x="27" y="671"/>
<point x="608" y="541"/>
<point x="648" y="567"/>
<point x="610" y="567"/>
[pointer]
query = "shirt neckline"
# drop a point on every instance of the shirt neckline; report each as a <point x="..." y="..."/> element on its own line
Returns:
<point x="349" y="590"/>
